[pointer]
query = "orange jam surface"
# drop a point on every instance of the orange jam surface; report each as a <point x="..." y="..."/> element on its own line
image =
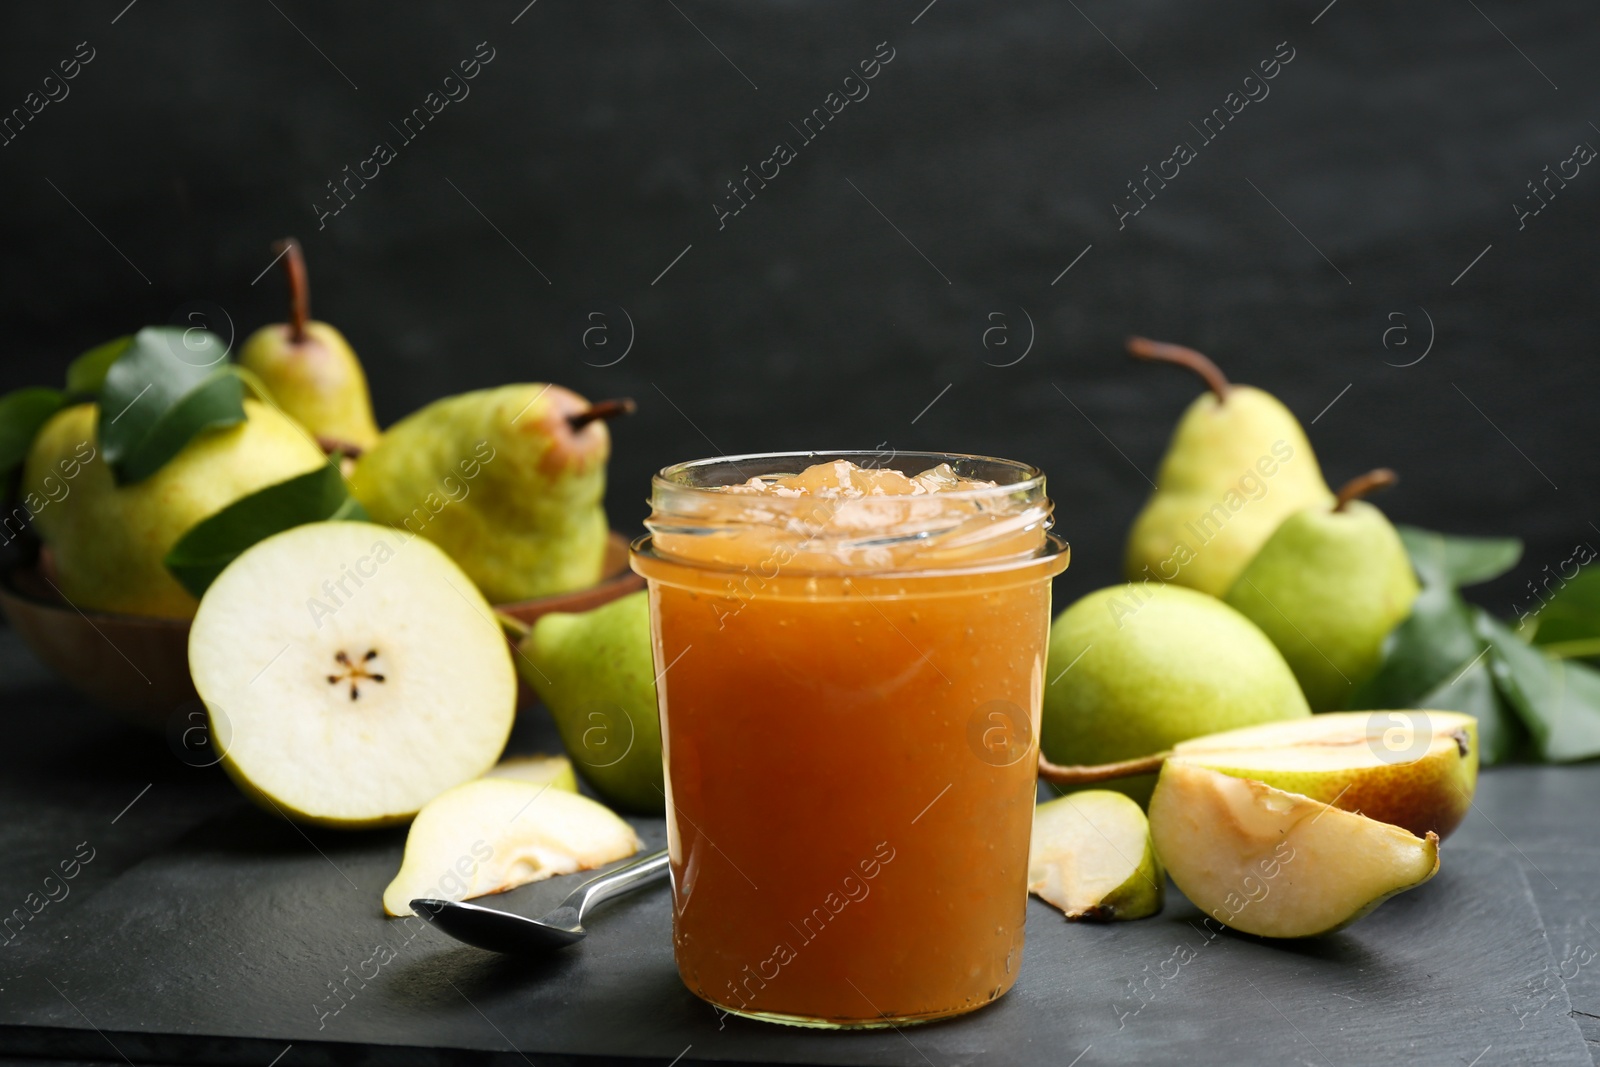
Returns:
<point x="853" y="666"/>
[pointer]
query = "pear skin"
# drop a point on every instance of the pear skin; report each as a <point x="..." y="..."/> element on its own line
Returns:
<point x="1328" y="586"/>
<point x="1135" y="669"/>
<point x="310" y="369"/>
<point x="503" y="481"/>
<point x="1238" y="464"/>
<point x="107" y="542"/>
<point x="594" y="671"/>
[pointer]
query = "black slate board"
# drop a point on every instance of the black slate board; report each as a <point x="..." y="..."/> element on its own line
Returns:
<point x="204" y="929"/>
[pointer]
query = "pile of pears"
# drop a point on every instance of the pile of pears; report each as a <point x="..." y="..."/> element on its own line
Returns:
<point x="1256" y="596"/>
<point x="342" y="584"/>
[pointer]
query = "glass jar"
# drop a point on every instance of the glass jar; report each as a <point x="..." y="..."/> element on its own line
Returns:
<point x="849" y="690"/>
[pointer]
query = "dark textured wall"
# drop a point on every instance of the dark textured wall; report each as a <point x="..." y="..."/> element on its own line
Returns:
<point x="594" y="148"/>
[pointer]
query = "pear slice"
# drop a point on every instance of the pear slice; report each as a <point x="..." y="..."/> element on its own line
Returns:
<point x="1091" y="857"/>
<point x="1275" y="864"/>
<point x="352" y="673"/>
<point x="1414" y="769"/>
<point x="554" y="771"/>
<point x="498" y="833"/>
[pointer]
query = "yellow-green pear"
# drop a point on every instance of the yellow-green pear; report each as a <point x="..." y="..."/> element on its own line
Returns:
<point x="508" y="481"/>
<point x="1327" y="587"/>
<point x="1135" y="669"/>
<point x="310" y="369"/>
<point x="1091" y="856"/>
<point x="1273" y="863"/>
<point x="595" y="672"/>
<point x="107" y="542"/>
<point x="1237" y="466"/>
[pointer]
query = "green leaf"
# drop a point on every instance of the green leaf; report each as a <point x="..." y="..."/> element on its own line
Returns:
<point x="22" y="414"/>
<point x="1473" y="691"/>
<point x="1423" y="652"/>
<point x="1450" y="559"/>
<point x="1569" y="621"/>
<point x="209" y="546"/>
<point x="167" y="386"/>
<point x="218" y="401"/>
<point x="87" y="373"/>
<point x="1559" y="702"/>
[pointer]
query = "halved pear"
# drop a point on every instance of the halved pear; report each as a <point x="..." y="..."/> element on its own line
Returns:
<point x="1275" y="864"/>
<point x="554" y="771"/>
<point x="1091" y="857"/>
<point x="498" y="833"/>
<point x="1415" y="769"/>
<point x="352" y="673"/>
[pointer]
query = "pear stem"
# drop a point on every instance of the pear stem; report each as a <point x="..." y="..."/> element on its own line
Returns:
<point x="514" y="627"/>
<point x="294" y="265"/>
<point x="605" y="409"/>
<point x="1360" y="486"/>
<point x="1163" y="352"/>
<point x="1088" y="774"/>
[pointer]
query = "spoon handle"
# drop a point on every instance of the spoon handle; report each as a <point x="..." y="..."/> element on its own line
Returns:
<point x="615" y="883"/>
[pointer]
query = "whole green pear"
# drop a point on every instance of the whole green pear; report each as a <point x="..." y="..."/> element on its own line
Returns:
<point x="1238" y="464"/>
<point x="107" y="542"/>
<point x="595" y="673"/>
<point x="508" y="481"/>
<point x="1134" y="669"/>
<point x="1327" y="587"/>
<point x="310" y="369"/>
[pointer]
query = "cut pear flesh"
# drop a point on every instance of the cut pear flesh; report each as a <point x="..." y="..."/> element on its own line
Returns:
<point x="1275" y="864"/>
<point x="352" y="673"/>
<point x="498" y="833"/>
<point x="555" y="771"/>
<point x="1091" y="857"/>
<point x="1414" y="769"/>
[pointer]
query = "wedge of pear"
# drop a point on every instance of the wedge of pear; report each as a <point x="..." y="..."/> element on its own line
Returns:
<point x="1413" y="769"/>
<point x="1277" y="864"/>
<point x="498" y="833"/>
<point x="1328" y="586"/>
<point x="1091" y="857"/>
<point x="108" y="542"/>
<point x="554" y="771"/>
<point x="1237" y="466"/>
<point x="309" y="368"/>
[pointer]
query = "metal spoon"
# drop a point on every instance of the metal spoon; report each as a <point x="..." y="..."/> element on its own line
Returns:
<point x="502" y="931"/>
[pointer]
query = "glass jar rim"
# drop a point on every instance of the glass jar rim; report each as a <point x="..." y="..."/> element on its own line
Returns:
<point x="1028" y="478"/>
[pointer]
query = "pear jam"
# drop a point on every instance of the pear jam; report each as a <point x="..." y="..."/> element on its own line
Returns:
<point x="851" y="665"/>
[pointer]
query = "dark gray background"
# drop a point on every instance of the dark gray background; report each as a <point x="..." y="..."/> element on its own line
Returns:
<point x="596" y="142"/>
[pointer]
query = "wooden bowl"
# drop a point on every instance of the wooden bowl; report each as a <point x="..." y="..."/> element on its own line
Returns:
<point x="137" y="666"/>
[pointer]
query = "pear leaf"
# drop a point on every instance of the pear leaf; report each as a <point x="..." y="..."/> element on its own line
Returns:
<point x="87" y="373"/>
<point x="1568" y="623"/>
<point x="22" y="413"/>
<point x="165" y="387"/>
<point x="1451" y="559"/>
<point x="1559" y="701"/>
<point x="211" y="404"/>
<point x="210" y="545"/>
<point x="1472" y="690"/>
<point x="1426" y="650"/>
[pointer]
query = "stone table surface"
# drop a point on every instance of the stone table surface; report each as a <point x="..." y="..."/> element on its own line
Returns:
<point x="200" y="929"/>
